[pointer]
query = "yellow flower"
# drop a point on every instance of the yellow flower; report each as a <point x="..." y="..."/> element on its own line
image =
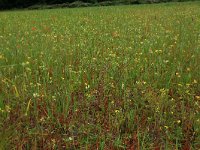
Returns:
<point x="195" y="81"/>
<point x="87" y="86"/>
<point x="116" y="111"/>
<point x="166" y="127"/>
<point x="197" y="97"/>
<point x="180" y="85"/>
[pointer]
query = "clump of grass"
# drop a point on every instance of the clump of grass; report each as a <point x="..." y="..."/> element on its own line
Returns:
<point x="101" y="78"/>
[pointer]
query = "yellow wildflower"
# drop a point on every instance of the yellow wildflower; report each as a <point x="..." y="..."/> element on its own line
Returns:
<point x="166" y="127"/>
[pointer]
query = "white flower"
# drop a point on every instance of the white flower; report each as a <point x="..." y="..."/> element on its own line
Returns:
<point x="122" y="85"/>
<point x="35" y="95"/>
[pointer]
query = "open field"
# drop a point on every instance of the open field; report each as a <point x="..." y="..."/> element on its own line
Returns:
<point x="124" y="77"/>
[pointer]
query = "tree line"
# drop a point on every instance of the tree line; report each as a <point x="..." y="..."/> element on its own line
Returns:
<point x="9" y="4"/>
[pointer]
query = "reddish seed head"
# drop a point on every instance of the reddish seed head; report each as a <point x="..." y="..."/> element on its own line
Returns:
<point x="33" y="28"/>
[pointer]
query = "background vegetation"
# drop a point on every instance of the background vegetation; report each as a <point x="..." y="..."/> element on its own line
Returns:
<point x="8" y="4"/>
<point x="123" y="77"/>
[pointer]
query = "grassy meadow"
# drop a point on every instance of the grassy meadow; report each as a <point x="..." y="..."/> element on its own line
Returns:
<point x="107" y="78"/>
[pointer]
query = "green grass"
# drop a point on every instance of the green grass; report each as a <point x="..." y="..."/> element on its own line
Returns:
<point x="122" y="77"/>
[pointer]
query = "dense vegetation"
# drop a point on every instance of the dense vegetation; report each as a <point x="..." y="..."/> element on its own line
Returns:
<point x="8" y="4"/>
<point x="122" y="77"/>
